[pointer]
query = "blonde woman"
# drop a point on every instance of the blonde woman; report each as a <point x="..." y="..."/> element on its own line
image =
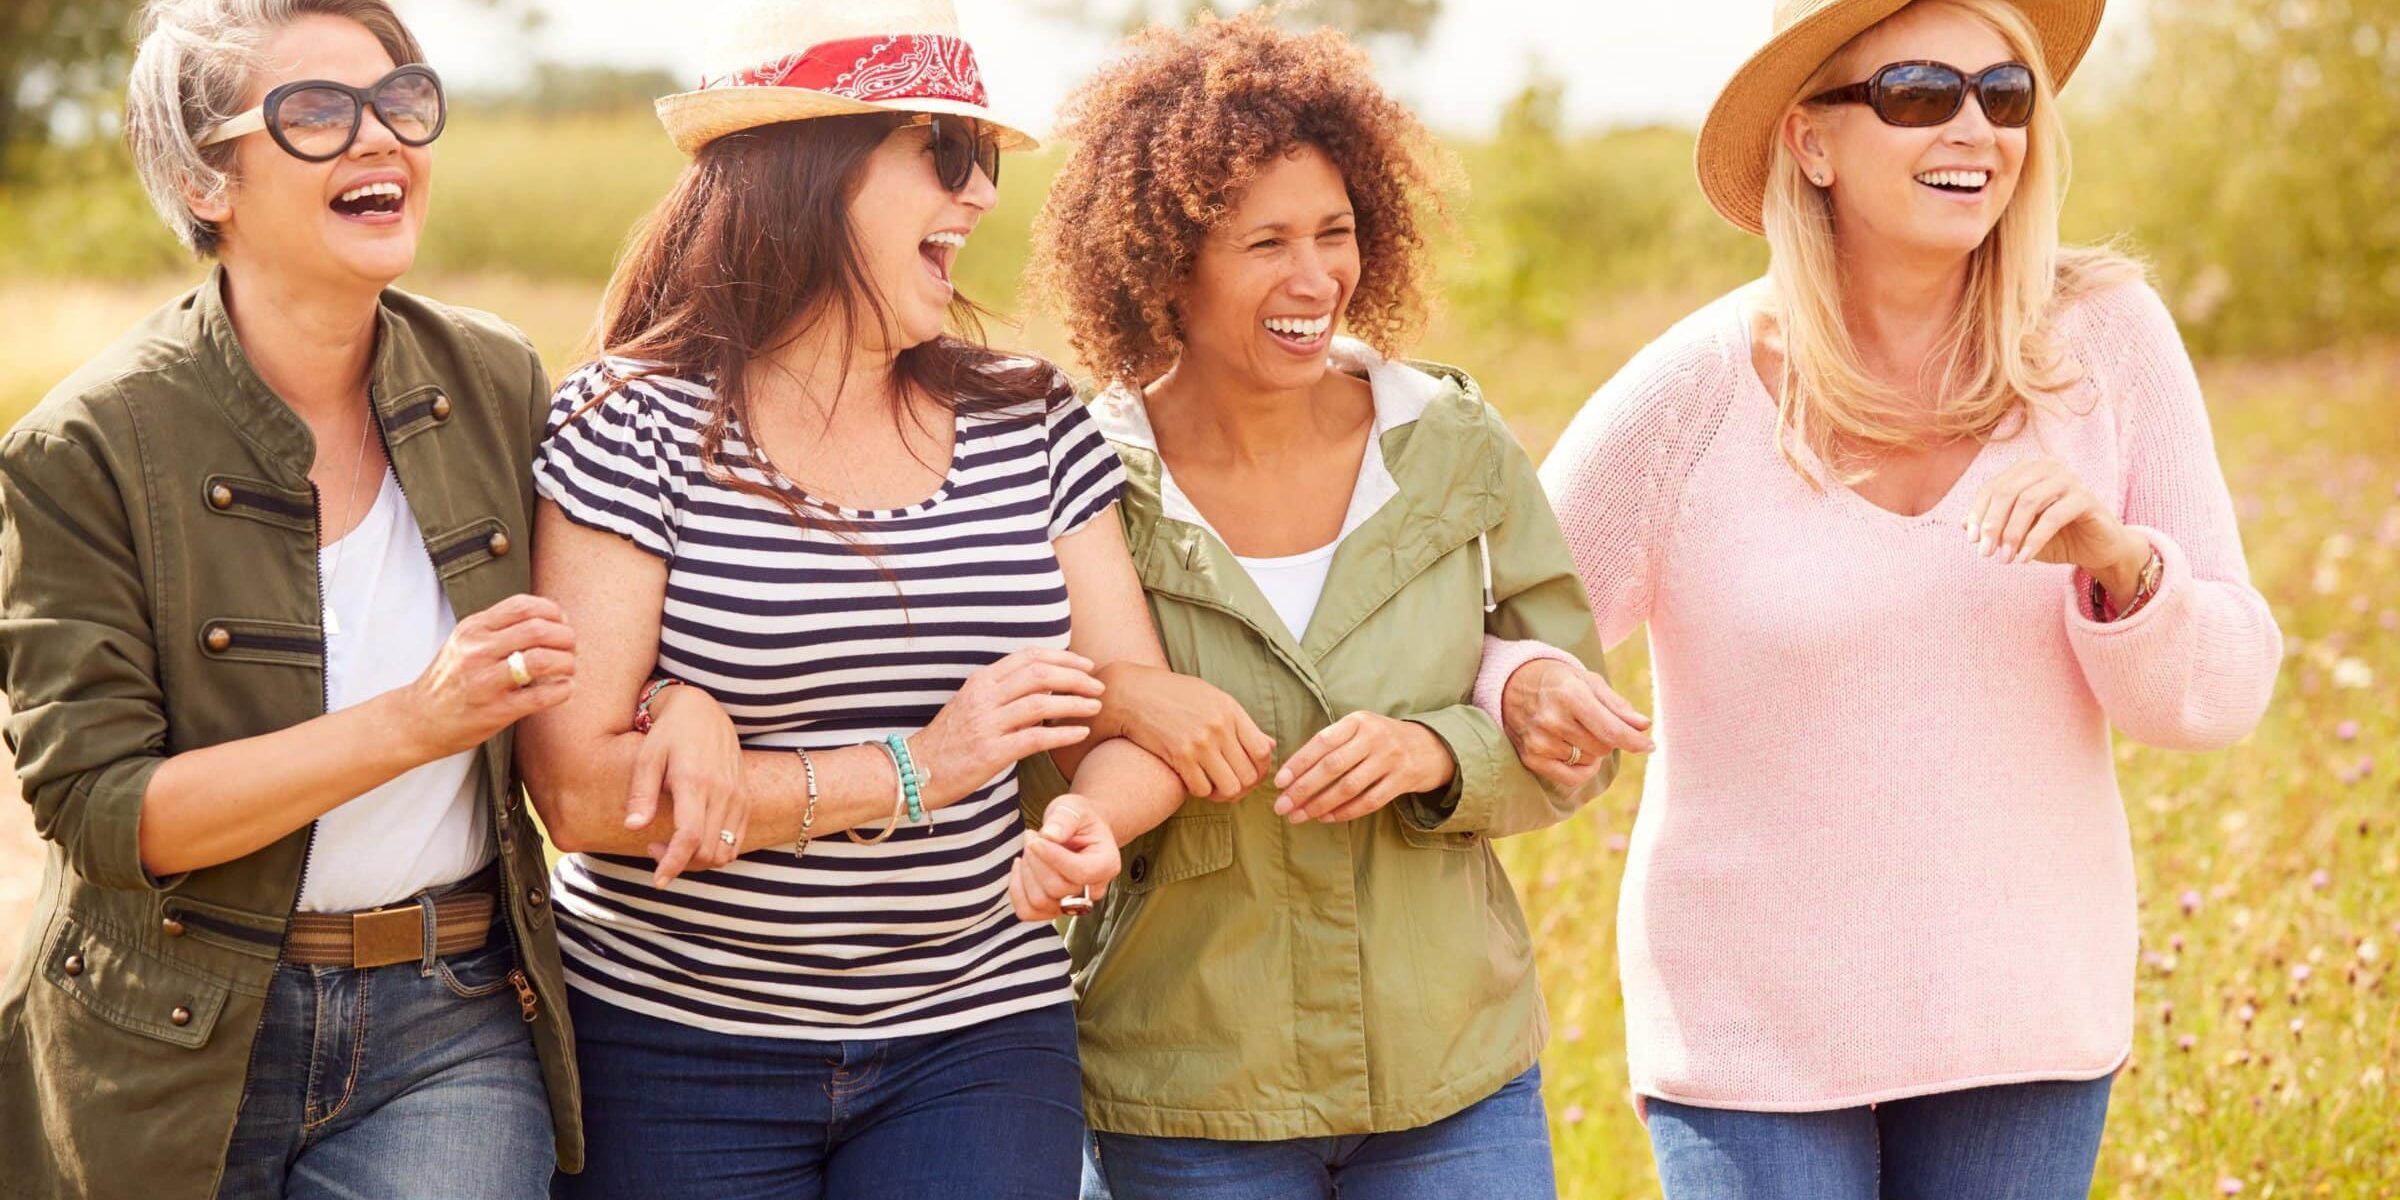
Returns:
<point x="1912" y="523"/>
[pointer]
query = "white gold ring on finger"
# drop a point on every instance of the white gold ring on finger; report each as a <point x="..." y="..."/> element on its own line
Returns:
<point x="725" y="836"/>
<point x="1078" y="905"/>
<point x="517" y="670"/>
<point x="1574" y="756"/>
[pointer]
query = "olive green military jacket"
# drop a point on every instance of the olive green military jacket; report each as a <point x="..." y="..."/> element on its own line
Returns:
<point x="159" y="593"/>
<point x="1245" y="978"/>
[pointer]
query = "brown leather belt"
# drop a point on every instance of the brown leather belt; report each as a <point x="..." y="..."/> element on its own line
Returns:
<point x="462" y="921"/>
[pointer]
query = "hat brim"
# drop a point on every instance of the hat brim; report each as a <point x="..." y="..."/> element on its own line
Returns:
<point x="694" y="119"/>
<point x="1738" y="138"/>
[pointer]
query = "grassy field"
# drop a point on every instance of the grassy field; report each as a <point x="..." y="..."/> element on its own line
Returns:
<point x="2270" y="873"/>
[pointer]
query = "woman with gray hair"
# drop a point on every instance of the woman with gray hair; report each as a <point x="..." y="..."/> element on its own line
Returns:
<point x="264" y="631"/>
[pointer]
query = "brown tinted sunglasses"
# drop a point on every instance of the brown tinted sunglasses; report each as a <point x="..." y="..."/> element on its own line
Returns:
<point x="1917" y="94"/>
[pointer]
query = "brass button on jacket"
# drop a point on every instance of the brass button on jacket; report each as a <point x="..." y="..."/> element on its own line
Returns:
<point x="220" y="639"/>
<point x="441" y="408"/>
<point x="171" y="927"/>
<point x="499" y="544"/>
<point x="181" y="1015"/>
<point x="74" y="964"/>
<point x="220" y="496"/>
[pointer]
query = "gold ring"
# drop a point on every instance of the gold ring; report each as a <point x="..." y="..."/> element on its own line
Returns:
<point x="517" y="669"/>
<point x="1574" y="756"/>
<point x="725" y="836"/>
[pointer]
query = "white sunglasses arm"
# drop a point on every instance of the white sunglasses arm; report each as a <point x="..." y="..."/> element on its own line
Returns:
<point x="246" y="123"/>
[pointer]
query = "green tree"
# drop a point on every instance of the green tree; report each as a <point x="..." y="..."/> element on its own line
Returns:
<point x="56" y="56"/>
<point x="2255" y="160"/>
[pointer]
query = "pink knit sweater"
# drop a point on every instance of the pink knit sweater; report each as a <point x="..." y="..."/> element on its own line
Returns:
<point x="1880" y="850"/>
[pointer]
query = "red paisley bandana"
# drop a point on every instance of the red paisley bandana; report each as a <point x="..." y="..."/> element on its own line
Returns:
<point x="873" y="69"/>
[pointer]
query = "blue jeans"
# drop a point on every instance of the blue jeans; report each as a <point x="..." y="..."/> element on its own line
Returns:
<point x="2019" y="1141"/>
<point x="1497" y="1148"/>
<point x="412" y="1080"/>
<point x="993" y="1111"/>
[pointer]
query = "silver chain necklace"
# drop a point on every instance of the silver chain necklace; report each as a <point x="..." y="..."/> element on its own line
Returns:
<point x="358" y="466"/>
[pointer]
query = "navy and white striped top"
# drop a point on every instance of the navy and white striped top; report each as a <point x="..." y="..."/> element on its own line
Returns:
<point x="809" y="643"/>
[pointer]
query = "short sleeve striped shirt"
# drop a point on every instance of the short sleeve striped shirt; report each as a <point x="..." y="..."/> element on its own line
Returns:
<point x="809" y="643"/>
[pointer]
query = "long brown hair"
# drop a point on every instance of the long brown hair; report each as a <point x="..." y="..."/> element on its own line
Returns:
<point x="754" y="245"/>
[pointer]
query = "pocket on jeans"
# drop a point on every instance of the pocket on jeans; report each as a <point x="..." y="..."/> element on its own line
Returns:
<point x="479" y="972"/>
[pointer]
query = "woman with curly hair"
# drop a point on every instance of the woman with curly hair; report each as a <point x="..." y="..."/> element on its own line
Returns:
<point x="1314" y="976"/>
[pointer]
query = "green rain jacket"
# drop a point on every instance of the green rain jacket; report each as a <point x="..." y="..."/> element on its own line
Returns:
<point x="1249" y="979"/>
<point x="159" y="593"/>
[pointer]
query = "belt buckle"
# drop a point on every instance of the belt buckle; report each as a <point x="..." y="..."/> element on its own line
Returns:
<point x="387" y="935"/>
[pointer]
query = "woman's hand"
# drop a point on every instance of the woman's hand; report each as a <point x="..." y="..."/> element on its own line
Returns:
<point x="998" y="717"/>
<point x="1074" y="853"/>
<point x="2038" y="511"/>
<point x="694" y="755"/>
<point x="1359" y="764"/>
<point x="1564" y="720"/>
<point x="468" y="692"/>
<point x="1201" y="733"/>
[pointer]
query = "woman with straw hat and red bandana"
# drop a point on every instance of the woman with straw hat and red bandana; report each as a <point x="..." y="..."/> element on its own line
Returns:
<point x="1912" y="523"/>
<point x="890" y="555"/>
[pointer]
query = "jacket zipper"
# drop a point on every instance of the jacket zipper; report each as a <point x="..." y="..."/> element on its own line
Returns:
<point x="324" y="665"/>
<point x="1483" y="548"/>
<point x="308" y="847"/>
<point x="528" y="1001"/>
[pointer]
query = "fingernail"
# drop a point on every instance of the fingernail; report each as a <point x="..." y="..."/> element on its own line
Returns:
<point x="1283" y="779"/>
<point x="1969" y="523"/>
<point x="1283" y="804"/>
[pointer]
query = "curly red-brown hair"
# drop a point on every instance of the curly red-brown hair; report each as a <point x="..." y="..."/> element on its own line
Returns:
<point x="1165" y="141"/>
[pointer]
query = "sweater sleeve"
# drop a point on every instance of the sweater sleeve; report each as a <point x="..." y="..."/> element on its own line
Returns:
<point x="1616" y="473"/>
<point x="1501" y="658"/>
<point x="2194" y="667"/>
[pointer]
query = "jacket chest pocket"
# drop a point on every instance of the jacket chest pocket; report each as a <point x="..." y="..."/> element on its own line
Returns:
<point x="1180" y="848"/>
<point x="135" y="992"/>
<point x="131" y="1069"/>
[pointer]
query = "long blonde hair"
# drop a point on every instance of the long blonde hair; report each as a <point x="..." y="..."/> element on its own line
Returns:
<point x="2000" y="351"/>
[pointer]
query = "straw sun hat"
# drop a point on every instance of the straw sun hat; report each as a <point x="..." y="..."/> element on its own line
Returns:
<point x="1738" y="138"/>
<point x="790" y="60"/>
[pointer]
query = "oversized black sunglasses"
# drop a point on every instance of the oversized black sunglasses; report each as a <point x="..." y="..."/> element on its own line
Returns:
<point x="961" y="144"/>
<point x="317" y="120"/>
<point x="1917" y="94"/>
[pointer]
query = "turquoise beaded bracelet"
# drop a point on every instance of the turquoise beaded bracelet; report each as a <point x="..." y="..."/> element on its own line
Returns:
<point x="906" y="764"/>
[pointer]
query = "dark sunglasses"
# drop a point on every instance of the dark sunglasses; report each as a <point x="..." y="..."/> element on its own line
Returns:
<point x="317" y="120"/>
<point x="960" y="144"/>
<point x="1916" y="94"/>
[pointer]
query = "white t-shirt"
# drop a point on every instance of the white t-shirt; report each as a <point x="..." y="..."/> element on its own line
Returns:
<point x="386" y="618"/>
<point x="1293" y="583"/>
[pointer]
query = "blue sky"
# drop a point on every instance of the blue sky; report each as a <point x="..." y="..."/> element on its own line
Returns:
<point x="1623" y="61"/>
